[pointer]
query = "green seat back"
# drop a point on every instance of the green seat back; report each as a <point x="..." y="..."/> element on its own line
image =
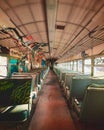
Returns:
<point x="68" y="79"/>
<point x="78" y="87"/>
<point x="92" y="109"/>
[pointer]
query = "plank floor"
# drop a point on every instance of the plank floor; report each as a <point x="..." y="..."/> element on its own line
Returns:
<point x="51" y="112"/>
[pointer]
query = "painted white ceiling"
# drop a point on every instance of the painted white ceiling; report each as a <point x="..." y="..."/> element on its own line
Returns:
<point x="66" y="26"/>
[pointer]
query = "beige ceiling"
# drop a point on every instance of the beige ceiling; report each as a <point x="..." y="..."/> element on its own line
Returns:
<point x="67" y="26"/>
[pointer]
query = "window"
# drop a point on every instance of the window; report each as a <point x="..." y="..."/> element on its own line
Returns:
<point x="80" y="66"/>
<point x="87" y="66"/>
<point x="3" y="66"/>
<point x="75" y="66"/>
<point x="64" y="66"/>
<point x="99" y="66"/>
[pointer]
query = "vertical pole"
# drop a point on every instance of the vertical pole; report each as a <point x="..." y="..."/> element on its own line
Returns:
<point x="83" y="66"/>
<point x="92" y="66"/>
<point x="76" y="65"/>
<point x="70" y="66"/>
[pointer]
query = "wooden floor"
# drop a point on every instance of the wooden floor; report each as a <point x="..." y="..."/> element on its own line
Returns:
<point x="51" y="112"/>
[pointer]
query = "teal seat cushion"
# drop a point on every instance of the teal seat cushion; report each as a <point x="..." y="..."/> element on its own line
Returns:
<point x="15" y="113"/>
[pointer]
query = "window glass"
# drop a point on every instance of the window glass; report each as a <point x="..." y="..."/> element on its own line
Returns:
<point x="75" y="66"/>
<point x="87" y="66"/>
<point x="79" y="65"/>
<point x="64" y="66"/>
<point x="71" y="65"/>
<point x="3" y="66"/>
<point x="99" y="66"/>
<point x="68" y="66"/>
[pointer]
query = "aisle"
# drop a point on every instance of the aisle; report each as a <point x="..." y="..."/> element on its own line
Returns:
<point x="51" y="112"/>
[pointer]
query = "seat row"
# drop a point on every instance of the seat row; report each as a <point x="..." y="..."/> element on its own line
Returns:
<point x="85" y="94"/>
<point x="17" y="94"/>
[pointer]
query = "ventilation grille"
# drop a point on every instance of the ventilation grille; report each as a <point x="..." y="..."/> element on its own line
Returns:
<point x="61" y="27"/>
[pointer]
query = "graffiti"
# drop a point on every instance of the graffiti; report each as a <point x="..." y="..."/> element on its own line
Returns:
<point x="99" y="61"/>
<point x="4" y="85"/>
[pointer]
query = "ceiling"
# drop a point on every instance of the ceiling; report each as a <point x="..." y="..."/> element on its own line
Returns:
<point x="58" y="28"/>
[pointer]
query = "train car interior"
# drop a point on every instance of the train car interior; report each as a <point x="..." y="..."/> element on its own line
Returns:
<point x="51" y="64"/>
